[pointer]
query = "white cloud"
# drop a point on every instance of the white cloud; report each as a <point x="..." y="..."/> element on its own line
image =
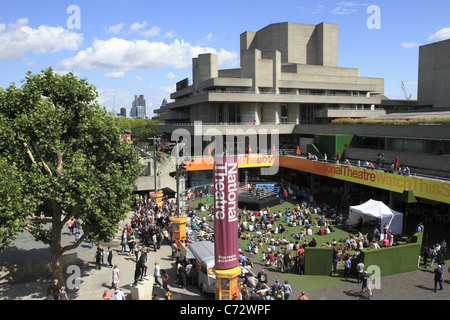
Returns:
<point x="410" y="45"/>
<point x="169" y="76"/>
<point x="122" y="55"/>
<point x="138" y="79"/>
<point x="440" y="35"/>
<point x="169" y="89"/>
<point x="170" y="34"/>
<point x="209" y="36"/>
<point x="138" y="26"/>
<point x="115" y="29"/>
<point x="18" y="38"/>
<point x="154" y="31"/>
<point x="119" y="74"/>
<point x="347" y="7"/>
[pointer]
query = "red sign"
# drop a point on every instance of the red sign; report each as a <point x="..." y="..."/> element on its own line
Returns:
<point x="226" y="212"/>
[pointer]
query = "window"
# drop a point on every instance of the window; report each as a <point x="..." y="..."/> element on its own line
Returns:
<point x="284" y="113"/>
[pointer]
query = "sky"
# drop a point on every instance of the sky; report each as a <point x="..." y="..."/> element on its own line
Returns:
<point x="144" y="47"/>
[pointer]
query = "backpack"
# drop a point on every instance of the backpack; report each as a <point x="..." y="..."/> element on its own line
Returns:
<point x="280" y="294"/>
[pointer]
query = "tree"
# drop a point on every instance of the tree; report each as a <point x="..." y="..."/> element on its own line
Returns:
<point x="141" y="129"/>
<point x="61" y="157"/>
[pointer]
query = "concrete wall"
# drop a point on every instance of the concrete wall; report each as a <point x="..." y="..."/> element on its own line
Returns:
<point x="434" y="75"/>
<point x="297" y="43"/>
<point x="27" y="270"/>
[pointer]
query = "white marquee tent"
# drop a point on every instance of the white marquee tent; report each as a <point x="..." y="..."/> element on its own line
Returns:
<point x="372" y="210"/>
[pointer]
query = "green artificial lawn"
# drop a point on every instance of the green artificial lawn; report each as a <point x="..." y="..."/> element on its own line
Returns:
<point x="299" y="282"/>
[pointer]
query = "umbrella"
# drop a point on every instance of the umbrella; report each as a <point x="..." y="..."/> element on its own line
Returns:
<point x="338" y="156"/>
<point x="249" y="149"/>
<point x="298" y="151"/>
<point x="396" y="163"/>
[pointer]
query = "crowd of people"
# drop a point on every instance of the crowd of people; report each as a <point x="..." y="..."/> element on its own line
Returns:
<point x="284" y="250"/>
<point x="379" y="163"/>
<point x="265" y="232"/>
<point x="147" y="231"/>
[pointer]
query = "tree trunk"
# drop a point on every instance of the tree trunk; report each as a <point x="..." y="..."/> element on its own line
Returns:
<point x="57" y="267"/>
<point x="55" y="244"/>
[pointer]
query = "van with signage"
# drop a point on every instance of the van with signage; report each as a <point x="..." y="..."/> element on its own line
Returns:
<point x="201" y="254"/>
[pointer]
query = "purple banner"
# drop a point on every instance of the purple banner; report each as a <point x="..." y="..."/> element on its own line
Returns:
<point x="226" y="212"/>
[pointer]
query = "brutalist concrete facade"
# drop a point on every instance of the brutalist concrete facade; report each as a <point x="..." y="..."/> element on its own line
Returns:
<point x="434" y="75"/>
<point x="289" y="74"/>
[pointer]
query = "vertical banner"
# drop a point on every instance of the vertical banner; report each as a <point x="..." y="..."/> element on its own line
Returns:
<point x="226" y="212"/>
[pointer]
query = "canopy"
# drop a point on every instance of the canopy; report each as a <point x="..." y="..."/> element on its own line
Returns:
<point x="373" y="209"/>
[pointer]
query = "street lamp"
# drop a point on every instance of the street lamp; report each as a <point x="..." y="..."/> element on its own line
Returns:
<point x="157" y="195"/>
<point x="179" y="168"/>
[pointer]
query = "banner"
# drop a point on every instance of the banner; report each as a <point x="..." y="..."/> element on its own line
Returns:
<point x="422" y="187"/>
<point x="226" y="212"/>
<point x="253" y="161"/>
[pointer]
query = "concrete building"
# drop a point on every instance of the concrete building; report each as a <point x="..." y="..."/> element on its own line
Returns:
<point x="139" y="107"/>
<point x="289" y="73"/>
<point x="434" y="75"/>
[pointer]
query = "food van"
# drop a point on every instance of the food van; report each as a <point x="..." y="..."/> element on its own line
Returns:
<point x="201" y="254"/>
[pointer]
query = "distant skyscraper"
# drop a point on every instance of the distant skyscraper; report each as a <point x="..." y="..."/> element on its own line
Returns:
<point x="123" y="112"/>
<point x="139" y="101"/>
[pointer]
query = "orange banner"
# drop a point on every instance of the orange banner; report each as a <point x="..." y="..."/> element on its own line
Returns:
<point x="252" y="161"/>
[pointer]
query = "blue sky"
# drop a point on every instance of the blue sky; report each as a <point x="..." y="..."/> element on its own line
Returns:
<point x="134" y="47"/>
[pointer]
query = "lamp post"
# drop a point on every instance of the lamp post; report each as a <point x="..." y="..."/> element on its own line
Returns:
<point x="156" y="195"/>
<point x="178" y="222"/>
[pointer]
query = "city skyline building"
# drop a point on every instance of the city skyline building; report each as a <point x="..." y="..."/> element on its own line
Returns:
<point x="138" y="107"/>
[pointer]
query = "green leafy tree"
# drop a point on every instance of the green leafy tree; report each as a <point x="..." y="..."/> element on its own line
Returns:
<point x="141" y="129"/>
<point x="61" y="157"/>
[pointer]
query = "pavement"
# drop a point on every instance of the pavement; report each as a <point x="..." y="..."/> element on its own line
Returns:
<point x="414" y="285"/>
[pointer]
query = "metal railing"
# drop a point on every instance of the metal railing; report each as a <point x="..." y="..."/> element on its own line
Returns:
<point x="191" y="124"/>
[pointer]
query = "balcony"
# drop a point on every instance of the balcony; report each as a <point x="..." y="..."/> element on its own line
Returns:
<point x="245" y="127"/>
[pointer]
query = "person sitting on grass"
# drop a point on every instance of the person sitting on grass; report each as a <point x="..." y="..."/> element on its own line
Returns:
<point x="281" y="229"/>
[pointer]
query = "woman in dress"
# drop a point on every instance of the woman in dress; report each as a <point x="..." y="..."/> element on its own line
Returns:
<point x="115" y="277"/>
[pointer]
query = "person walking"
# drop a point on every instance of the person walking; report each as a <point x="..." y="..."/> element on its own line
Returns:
<point x="54" y="289"/>
<point x="110" y="256"/>
<point x="115" y="277"/>
<point x="157" y="274"/>
<point x="166" y="279"/>
<point x="119" y="295"/>
<point x="99" y="257"/>
<point x="360" y="270"/>
<point x="347" y="266"/>
<point x="63" y="294"/>
<point x="438" y="277"/>
<point x="287" y="290"/>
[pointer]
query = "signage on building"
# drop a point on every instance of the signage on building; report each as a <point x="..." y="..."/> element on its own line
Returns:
<point x="253" y="161"/>
<point x="226" y="212"/>
<point x="422" y="187"/>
